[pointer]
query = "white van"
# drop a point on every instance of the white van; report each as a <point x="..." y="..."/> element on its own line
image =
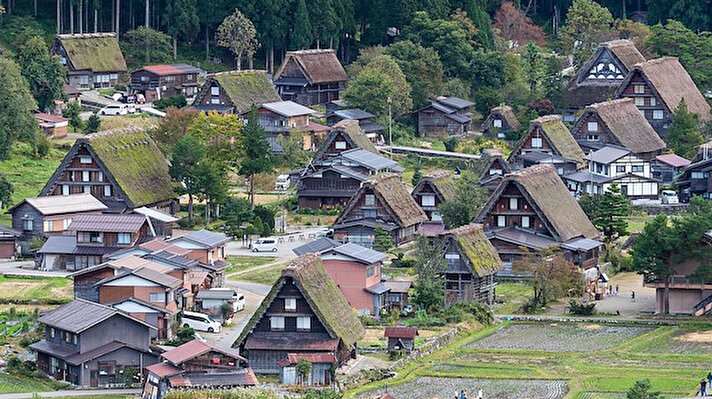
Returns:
<point x="114" y="109"/>
<point x="264" y="245"/>
<point x="669" y="197"/>
<point x="200" y="322"/>
<point x="282" y="183"/>
<point x="239" y="303"/>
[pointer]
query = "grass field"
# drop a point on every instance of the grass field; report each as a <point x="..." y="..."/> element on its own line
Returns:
<point x="12" y="384"/>
<point x="35" y="290"/>
<point x="266" y="276"/>
<point x="510" y="297"/>
<point x="239" y="263"/>
<point x="576" y="361"/>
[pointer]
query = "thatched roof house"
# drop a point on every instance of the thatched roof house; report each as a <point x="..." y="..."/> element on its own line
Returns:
<point x="433" y="189"/>
<point x="547" y="135"/>
<point x="600" y="76"/>
<point x="235" y="92"/>
<point x="123" y="168"/>
<point x="325" y="322"/>
<point x="490" y="168"/>
<point x="500" y="120"/>
<point x="617" y="122"/>
<point x="92" y="59"/>
<point x="310" y="77"/>
<point x="345" y="135"/>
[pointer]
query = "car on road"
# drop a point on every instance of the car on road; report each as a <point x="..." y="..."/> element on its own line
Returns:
<point x="282" y="183"/>
<point x="200" y="322"/>
<point x="264" y="245"/>
<point x="114" y="109"/>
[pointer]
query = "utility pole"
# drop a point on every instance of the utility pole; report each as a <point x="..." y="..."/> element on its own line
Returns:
<point x="390" y="132"/>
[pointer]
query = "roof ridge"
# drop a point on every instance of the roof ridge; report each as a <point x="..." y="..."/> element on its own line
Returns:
<point x="546" y="118"/>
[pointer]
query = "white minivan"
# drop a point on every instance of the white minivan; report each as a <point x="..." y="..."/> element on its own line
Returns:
<point x="114" y="109"/>
<point x="264" y="245"/>
<point x="200" y="322"/>
<point x="282" y="183"/>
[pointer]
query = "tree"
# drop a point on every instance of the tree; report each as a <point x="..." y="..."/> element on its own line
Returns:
<point x="258" y="156"/>
<point x="6" y="191"/>
<point x="383" y="240"/>
<point x="378" y="81"/>
<point x="144" y="46"/>
<point x="43" y="72"/>
<point x="187" y="153"/>
<point x="641" y="390"/>
<point x="422" y="69"/>
<point x="416" y="176"/>
<point x="694" y="14"/>
<point x="238" y="34"/>
<point x="303" y="370"/>
<point x="93" y="124"/>
<point x="236" y="212"/>
<point x="652" y="253"/>
<point x="303" y="35"/>
<point x="172" y="128"/>
<point x="466" y="204"/>
<point x="429" y="266"/>
<point x="534" y="68"/>
<point x="551" y="274"/>
<point x="324" y="21"/>
<point x="516" y="27"/>
<point x="72" y="111"/>
<point x="684" y="135"/>
<point x="293" y="152"/>
<point x="220" y="134"/>
<point x="211" y="184"/>
<point x="180" y="18"/>
<point x="587" y="24"/>
<point x="611" y="209"/>
<point x="16" y="107"/>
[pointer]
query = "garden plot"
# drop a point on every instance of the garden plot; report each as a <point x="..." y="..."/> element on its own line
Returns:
<point x="679" y="341"/>
<point x="445" y="388"/>
<point x="558" y="337"/>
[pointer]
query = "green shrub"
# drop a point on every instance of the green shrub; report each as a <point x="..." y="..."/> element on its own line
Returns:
<point x="581" y="309"/>
<point x="422" y="319"/>
<point x="172" y="101"/>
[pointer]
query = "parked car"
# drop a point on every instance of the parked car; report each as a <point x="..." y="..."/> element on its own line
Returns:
<point x="114" y="109"/>
<point x="669" y="197"/>
<point x="239" y="303"/>
<point x="282" y="183"/>
<point x="200" y="322"/>
<point x="264" y="245"/>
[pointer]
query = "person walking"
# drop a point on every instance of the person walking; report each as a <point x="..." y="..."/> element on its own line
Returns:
<point x="703" y="387"/>
<point x="632" y="296"/>
<point x="709" y="379"/>
<point x="616" y="290"/>
<point x="479" y="394"/>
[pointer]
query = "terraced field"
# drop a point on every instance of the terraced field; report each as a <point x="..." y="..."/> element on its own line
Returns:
<point x="445" y="388"/>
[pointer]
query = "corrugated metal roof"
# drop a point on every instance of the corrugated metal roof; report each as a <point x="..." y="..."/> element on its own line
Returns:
<point x="455" y="102"/>
<point x="362" y="254"/>
<point x="317" y="246"/>
<point x="173" y="69"/>
<point x="369" y="159"/>
<point x="400" y="332"/>
<point x="242" y="377"/>
<point x="194" y="348"/>
<point x="80" y="314"/>
<point x="399" y="287"/>
<point x="288" y="108"/>
<point x="108" y="223"/>
<point x="50" y="118"/>
<point x="163" y="370"/>
<point x="377" y="289"/>
<point x="673" y="160"/>
<point x="57" y="204"/>
<point x="155" y="214"/>
<point x="216" y="293"/>
<point x="607" y="154"/>
<point x="59" y="245"/>
<point x="353" y="113"/>
<point x="203" y="237"/>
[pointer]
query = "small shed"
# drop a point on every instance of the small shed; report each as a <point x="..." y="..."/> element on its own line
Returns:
<point x="54" y="126"/>
<point x="401" y="338"/>
<point x="321" y="373"/>
<point x="8" y="242"/>
<point x="212" y="300"/>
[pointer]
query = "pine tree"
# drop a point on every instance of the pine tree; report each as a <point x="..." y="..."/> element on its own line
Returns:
<point x="416" y="176"/>
<point x="258" y="154"/>
<point x="382" y="240"/>
<point x="684" y="135"/>
<point x="303" y="35"/>
<point x="72" y="112"/>
<point x="93" y="124"/>
<point x="611" y="209"/>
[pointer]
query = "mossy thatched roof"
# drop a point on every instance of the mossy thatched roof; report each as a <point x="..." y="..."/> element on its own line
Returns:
<point x="135" y="162"/>
<point x="558" y="135"/>
<point x="247" y="88"/>
<point x="98" y="52"/>
<point x="443" y="182"/>
<point x="479" y="252"/>
<point x="353" y="130"/>
<point x="323" y="296"/>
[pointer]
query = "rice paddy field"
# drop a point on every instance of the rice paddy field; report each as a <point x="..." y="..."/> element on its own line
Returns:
<point x="556" y="360"/>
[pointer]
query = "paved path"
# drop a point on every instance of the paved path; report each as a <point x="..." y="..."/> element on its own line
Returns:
<point x="24" y="268"/>
<point x="72" y="393"/>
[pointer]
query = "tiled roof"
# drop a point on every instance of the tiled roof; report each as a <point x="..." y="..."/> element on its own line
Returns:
<point x="317" y="246"/>
<point x="195" y="348"/>
<point x="50" y="118"/>
<point x="362" y="254"/>
<point x="80" y="314"/>
<point x="107" y="222"/>
<point x="400" y="332"/>
<point x="163" y="370"/>
<point x="673" y="160"/>
<point x="216" y="293"/>
<point x="174" y="69"/>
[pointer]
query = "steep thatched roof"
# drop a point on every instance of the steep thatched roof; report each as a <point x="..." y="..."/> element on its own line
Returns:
<point x="507" y="114"/>
<point x="318" y="66"/>
<point x="625" y="51"/>
<point x="135" y="162"/>
<point x="556" y="204"/>
<point x="98" y="52"/>
<point x="246" y="88"/>
<point x="323" y="296"/>
<point x="442" y="181"/>
<point x="483" y="165"/>
<point x="479" y="252"/>
<point x="558" y="136"/>
<point x="627" y="124"/>
<point x="354" y="132"/>
<point x="672" y="82"/>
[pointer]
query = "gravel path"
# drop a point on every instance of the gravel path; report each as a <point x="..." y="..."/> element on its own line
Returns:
<point x="445" y="388"/>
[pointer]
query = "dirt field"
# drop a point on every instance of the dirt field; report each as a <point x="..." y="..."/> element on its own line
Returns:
<point x="445" y="388"/>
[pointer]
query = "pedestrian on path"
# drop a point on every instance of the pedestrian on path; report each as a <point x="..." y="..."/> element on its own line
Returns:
<point x="709" y="379"/>
<point x="632" y="296"/>
<point x="703" y="387"/>
<point x="479" y="394"/>
<point x="616" y="289"/>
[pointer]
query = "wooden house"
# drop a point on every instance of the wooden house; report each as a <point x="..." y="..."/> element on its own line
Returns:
<point x="206" y="247"/>
<point x="491" y="168"/>
<point x="612" y="164"/>
<point x="162" y="222"/>
<point x="548" y="141"/>
<point x="500" y="121"/>
<point x="197" y="365"/>
<point x="657" y="87"/>
<point x="41" y="217"/>
<point x="695" y="180"/>
<point x="345" y="135"/>
<point x="304" y="312"/>
<point x="599" y="78"/>
<point x="434" y="189"/>
<point x="373" y="130"/>
<point x="123" y="168"/>
<point x="618" y="123"/>
<point x="9" y="242"/>
<point x="310" y="77"/>
<point x="156" y="82"/>
<point x="90" y="237"/>
<point x="93" y="60"/>
<point x="668" y="167"/>
<point x="533" y="209"/>
<point x="285" y="118"/>
<point x="400" y="339"/>
<point x="235" y="92"/>
<point x="383" y="202"/>
<point x="472" y="262"/>
<point x="55" y="126"/>
<point x="320" y="373"/>
<point x="444" y="117"/>
<point x="93" y="345"/>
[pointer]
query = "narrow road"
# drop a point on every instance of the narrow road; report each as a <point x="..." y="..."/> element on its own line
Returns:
<point x="72" y="393"/>
<point x="260" y="267"/>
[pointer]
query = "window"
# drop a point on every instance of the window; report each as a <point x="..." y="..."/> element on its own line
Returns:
<point x="28" y="225"/>
<point x="525" y="221"/>
<point x="124" y="238"/>
<point x="170" y="78"/>
<point x="290" y="304"/>
<point x="495" y="172"/>
<point x="276" y="323"/>
<point x="100" y="176"/>
<point x="52" y="332"/>
<point x="639" y="101"/>
<point x="369" y="213"/>
<point x="497" y="123"/>
<point x="695" y="175"/>
<point x="369" y="200"/>
<point x="65" y="189"/>
<point x="642" y="113"/>
<point x="428" y="200"/>
<point x="75" y="339"/>
<point x="86" y="189"/>
<point x="637" y="168"/>
<point x="65" y="223"/>
<point x="340" y="145"/>
<point x="89" y="237"/>
<point x="114" y="76"/>
<point x="188" y="77"/>
<point x="513" y="203"/>
<point x="48" y="225"/>
<point x="592" y="137"/>
<point x="369" y="271"/>
<point x="657" y="114"/>
<point x="85" y="175"/>
<point x="620" y="169"/>
<point x="215" y="101"/>
<point x="303" y="323"/>
<point x="638" y="89"/>
<point x="215" y="91"/>
<point x="156" y="297"/>
<point x="592" y="126"/>
<point x="653" y="101"/>
<point x="85" y="160"/>
<point x="107" y="191"/>
<point x="107" y="368"/>
<point x="536" y="142"/>
<point x="501" y="221"/>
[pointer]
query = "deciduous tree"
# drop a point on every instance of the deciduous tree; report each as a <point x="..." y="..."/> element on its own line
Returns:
<point x="186" y="154"/>
<point x="238" y="34"/>
<point x="683" y="135"/>
<point x="587" y="24"/>
<point x="16" y="107"/>
<point x="221" y="135"/>
<point x="517" y="27"/>
<point x="468" y="201"/>
<point x="172" y="128"/>
<point x="422" y="69"/>
<point x="43" y="72"/>
<point x="144" y="46"/>
<point x="551" y="274"/>
<point x="72" y="111"/>
<point x="378" y="81"/>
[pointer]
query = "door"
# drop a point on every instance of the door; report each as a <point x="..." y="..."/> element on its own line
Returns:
<point x="94" y="378"/>
<point x="7" y="249"/>
<point x="624" y="189"/>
